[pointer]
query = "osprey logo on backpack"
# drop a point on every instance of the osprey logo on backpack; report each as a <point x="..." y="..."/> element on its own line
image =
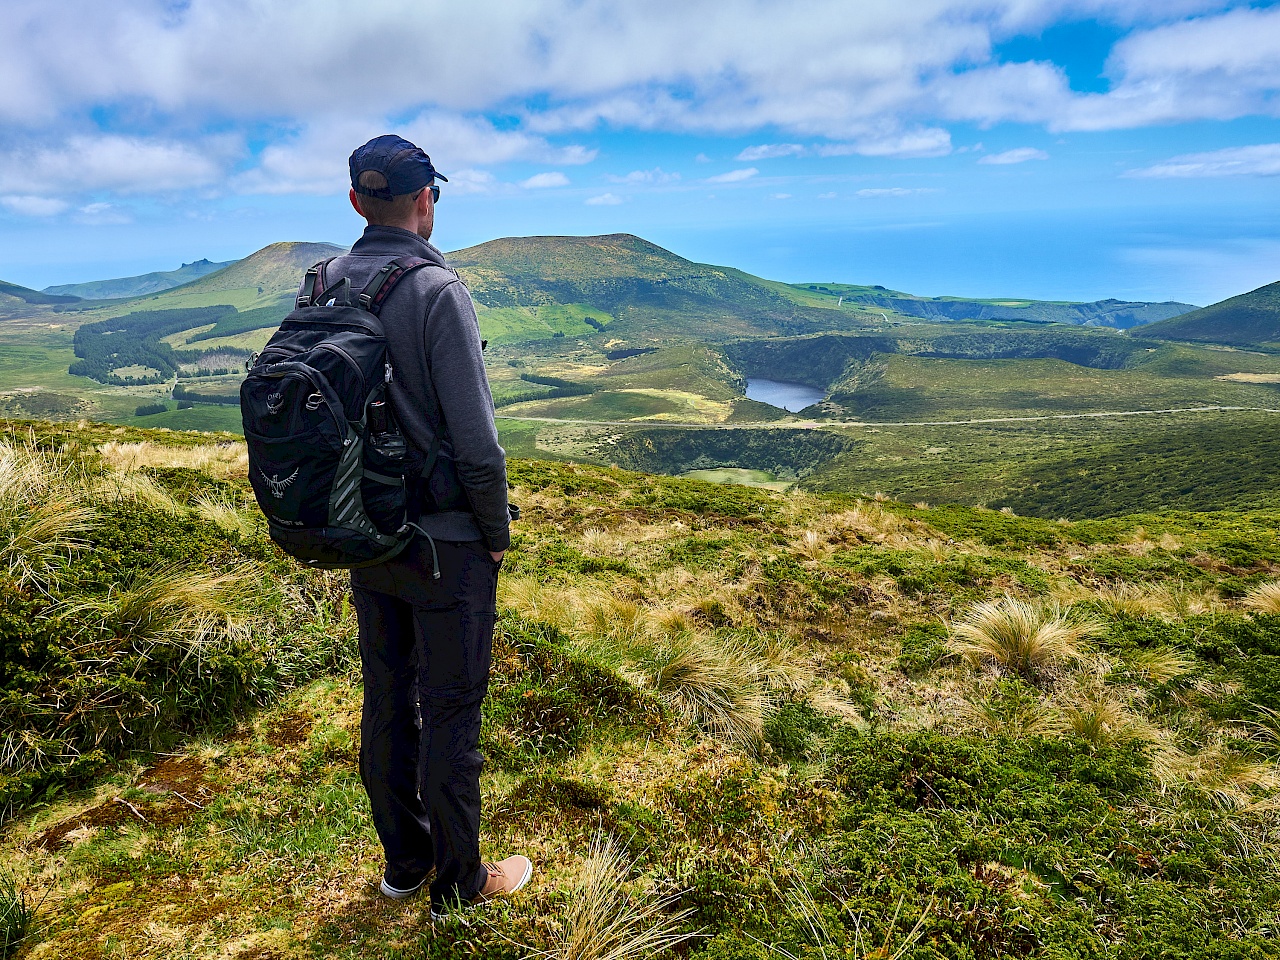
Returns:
<point x="278" y="486"/>
<point x="338" y="491"/>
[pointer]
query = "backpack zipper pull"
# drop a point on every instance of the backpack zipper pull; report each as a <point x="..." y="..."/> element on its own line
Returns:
<point x="386" y="377"/>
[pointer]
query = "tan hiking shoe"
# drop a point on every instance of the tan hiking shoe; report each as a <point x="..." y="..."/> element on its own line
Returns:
<point x="505" y="878"/>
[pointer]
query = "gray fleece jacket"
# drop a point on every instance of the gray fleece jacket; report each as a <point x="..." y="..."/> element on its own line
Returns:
<point x="439" y="384"/>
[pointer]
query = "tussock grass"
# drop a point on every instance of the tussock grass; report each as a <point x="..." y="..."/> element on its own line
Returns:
<point x="1264" y="598"/>
<point x="137" y="489"/>
<point x="43" y="514"/>
<point x="1101" y="716"/>
<point x="813" y="545"/>
<point x="175" y="604"/>
<point x="1232" y="778"/>
<point x="216" y="460"/>
<point x="16" y="914"/>
<point x="711" y="689"/>
<point x="826" y="939"/>
<point x="1021" y="637"/>
<point x="1172" y="600"/>
<point x="1161" y="665"/>
<point x="1013" y="716"/>
<point x="605" y="920"/>
<point x="224" y="513"/>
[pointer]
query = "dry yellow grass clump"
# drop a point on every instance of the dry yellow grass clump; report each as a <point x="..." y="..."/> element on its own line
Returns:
<point x="44" y="513"/>
<point x="604" y="920"/>
<point x="1264" y="598"/>
<point x="1022" y="637"/>
<point x="214" y="459"/>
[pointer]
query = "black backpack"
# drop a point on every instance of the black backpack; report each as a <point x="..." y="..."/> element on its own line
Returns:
<point x="335" y="477"/>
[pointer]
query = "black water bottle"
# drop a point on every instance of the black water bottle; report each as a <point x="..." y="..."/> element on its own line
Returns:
<point x="376" y="417"/>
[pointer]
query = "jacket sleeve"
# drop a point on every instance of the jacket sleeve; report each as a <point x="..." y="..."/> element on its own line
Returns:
<point x="466" y="406"/>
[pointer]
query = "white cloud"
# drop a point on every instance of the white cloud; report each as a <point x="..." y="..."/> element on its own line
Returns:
<point x="919" y="142"/>
<point x="102" y="214"/>
<point x="83" y="164"/>
<point x="827" y="196"/>
<point x="604" y="200"/>
<point x="877" y="192"/>
<point x="780" y="196"/>
<point x="702" y="158"/>
<point x="34" y="206"/>
<point x="770" y="151"/>
<point x="656" y="175"/>
<point x="1261" y="160"/>
<point x="541" y="181"/>
<point x="734" y="176"/>
<point x="1017" y="155"/>
<point x="314" y="158"/>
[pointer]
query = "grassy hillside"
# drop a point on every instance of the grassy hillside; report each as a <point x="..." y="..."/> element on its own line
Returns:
<point x="139" y="286"/>
<point x="1251" y="319"/>
<point x="647" y="290"/>
<point x="760" y="724"/>
<point x="1070" y="467"/>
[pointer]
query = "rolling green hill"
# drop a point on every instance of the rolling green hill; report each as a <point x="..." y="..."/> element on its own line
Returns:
<point x="16" y="300"/>
<point x="1250" y="320"/>
<point x="644" y="289"/>
<point x="128" y="287"/>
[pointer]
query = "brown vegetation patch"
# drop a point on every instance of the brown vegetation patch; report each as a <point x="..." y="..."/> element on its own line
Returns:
<point x="288" y="730"/>
<point x="181" y="777"/>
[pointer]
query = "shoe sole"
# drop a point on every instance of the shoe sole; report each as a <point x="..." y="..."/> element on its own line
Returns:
<point x="395" y="893"/>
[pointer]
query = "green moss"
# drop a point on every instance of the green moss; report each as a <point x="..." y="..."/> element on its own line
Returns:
<point x="923" y="648"/>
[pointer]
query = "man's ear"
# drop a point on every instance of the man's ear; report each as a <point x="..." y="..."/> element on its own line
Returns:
<point x="355" y="202"/>
<point x="424" y="202"/>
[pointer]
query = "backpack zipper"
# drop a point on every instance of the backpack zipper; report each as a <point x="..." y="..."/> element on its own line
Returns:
<point x="334" y="348"/>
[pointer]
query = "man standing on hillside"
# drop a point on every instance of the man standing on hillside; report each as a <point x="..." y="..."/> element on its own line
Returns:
<point x="426" y="618"/>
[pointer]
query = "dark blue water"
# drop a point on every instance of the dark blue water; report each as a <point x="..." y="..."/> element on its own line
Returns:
<point x="792" y="397"/>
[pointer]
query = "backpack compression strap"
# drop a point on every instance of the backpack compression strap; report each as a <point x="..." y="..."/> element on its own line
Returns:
<point x="372" y="296"/>
<point x="313" y="284"/>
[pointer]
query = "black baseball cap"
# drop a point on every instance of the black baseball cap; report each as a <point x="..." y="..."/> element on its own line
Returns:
<point x="405" y="166"/>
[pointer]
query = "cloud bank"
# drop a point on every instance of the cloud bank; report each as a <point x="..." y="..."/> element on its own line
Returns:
<point x="150" y="96"/>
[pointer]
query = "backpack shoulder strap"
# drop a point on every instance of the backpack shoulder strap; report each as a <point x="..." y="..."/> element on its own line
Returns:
<point x="313" y="284"/>
<point x="376" y="291"/>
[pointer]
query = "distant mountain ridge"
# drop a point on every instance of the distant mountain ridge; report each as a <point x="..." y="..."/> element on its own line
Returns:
<point x="1121" y="314"/>
<point x="1249" y="320"/>
<point x="122" y="288"/>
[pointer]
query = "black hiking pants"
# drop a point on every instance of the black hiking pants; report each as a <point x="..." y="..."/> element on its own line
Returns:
<point x="425" y="650"/>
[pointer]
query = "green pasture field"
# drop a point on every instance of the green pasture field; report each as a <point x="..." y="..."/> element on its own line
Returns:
<point x="203" y="416"/>
<point x="916" y="388"/>
<point x="509" y="324"/>
<point x="606" y="405"/>
<point x="747" y="478"/>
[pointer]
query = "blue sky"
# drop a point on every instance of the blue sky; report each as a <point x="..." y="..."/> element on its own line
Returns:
<point x="1062" y="149"/>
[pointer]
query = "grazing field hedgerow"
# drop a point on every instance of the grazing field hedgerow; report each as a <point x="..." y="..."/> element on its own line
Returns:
<point x="724" y="722"/>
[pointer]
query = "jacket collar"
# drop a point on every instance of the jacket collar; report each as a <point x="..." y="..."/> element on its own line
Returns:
<point x="378" y="241"/>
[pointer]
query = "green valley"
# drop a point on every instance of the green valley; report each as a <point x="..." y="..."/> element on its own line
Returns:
<point x="612" y="350"/>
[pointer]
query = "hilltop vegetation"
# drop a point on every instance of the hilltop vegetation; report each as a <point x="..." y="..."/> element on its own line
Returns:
<point x="1249" y="320"/>
<point x="805" y="725"/>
